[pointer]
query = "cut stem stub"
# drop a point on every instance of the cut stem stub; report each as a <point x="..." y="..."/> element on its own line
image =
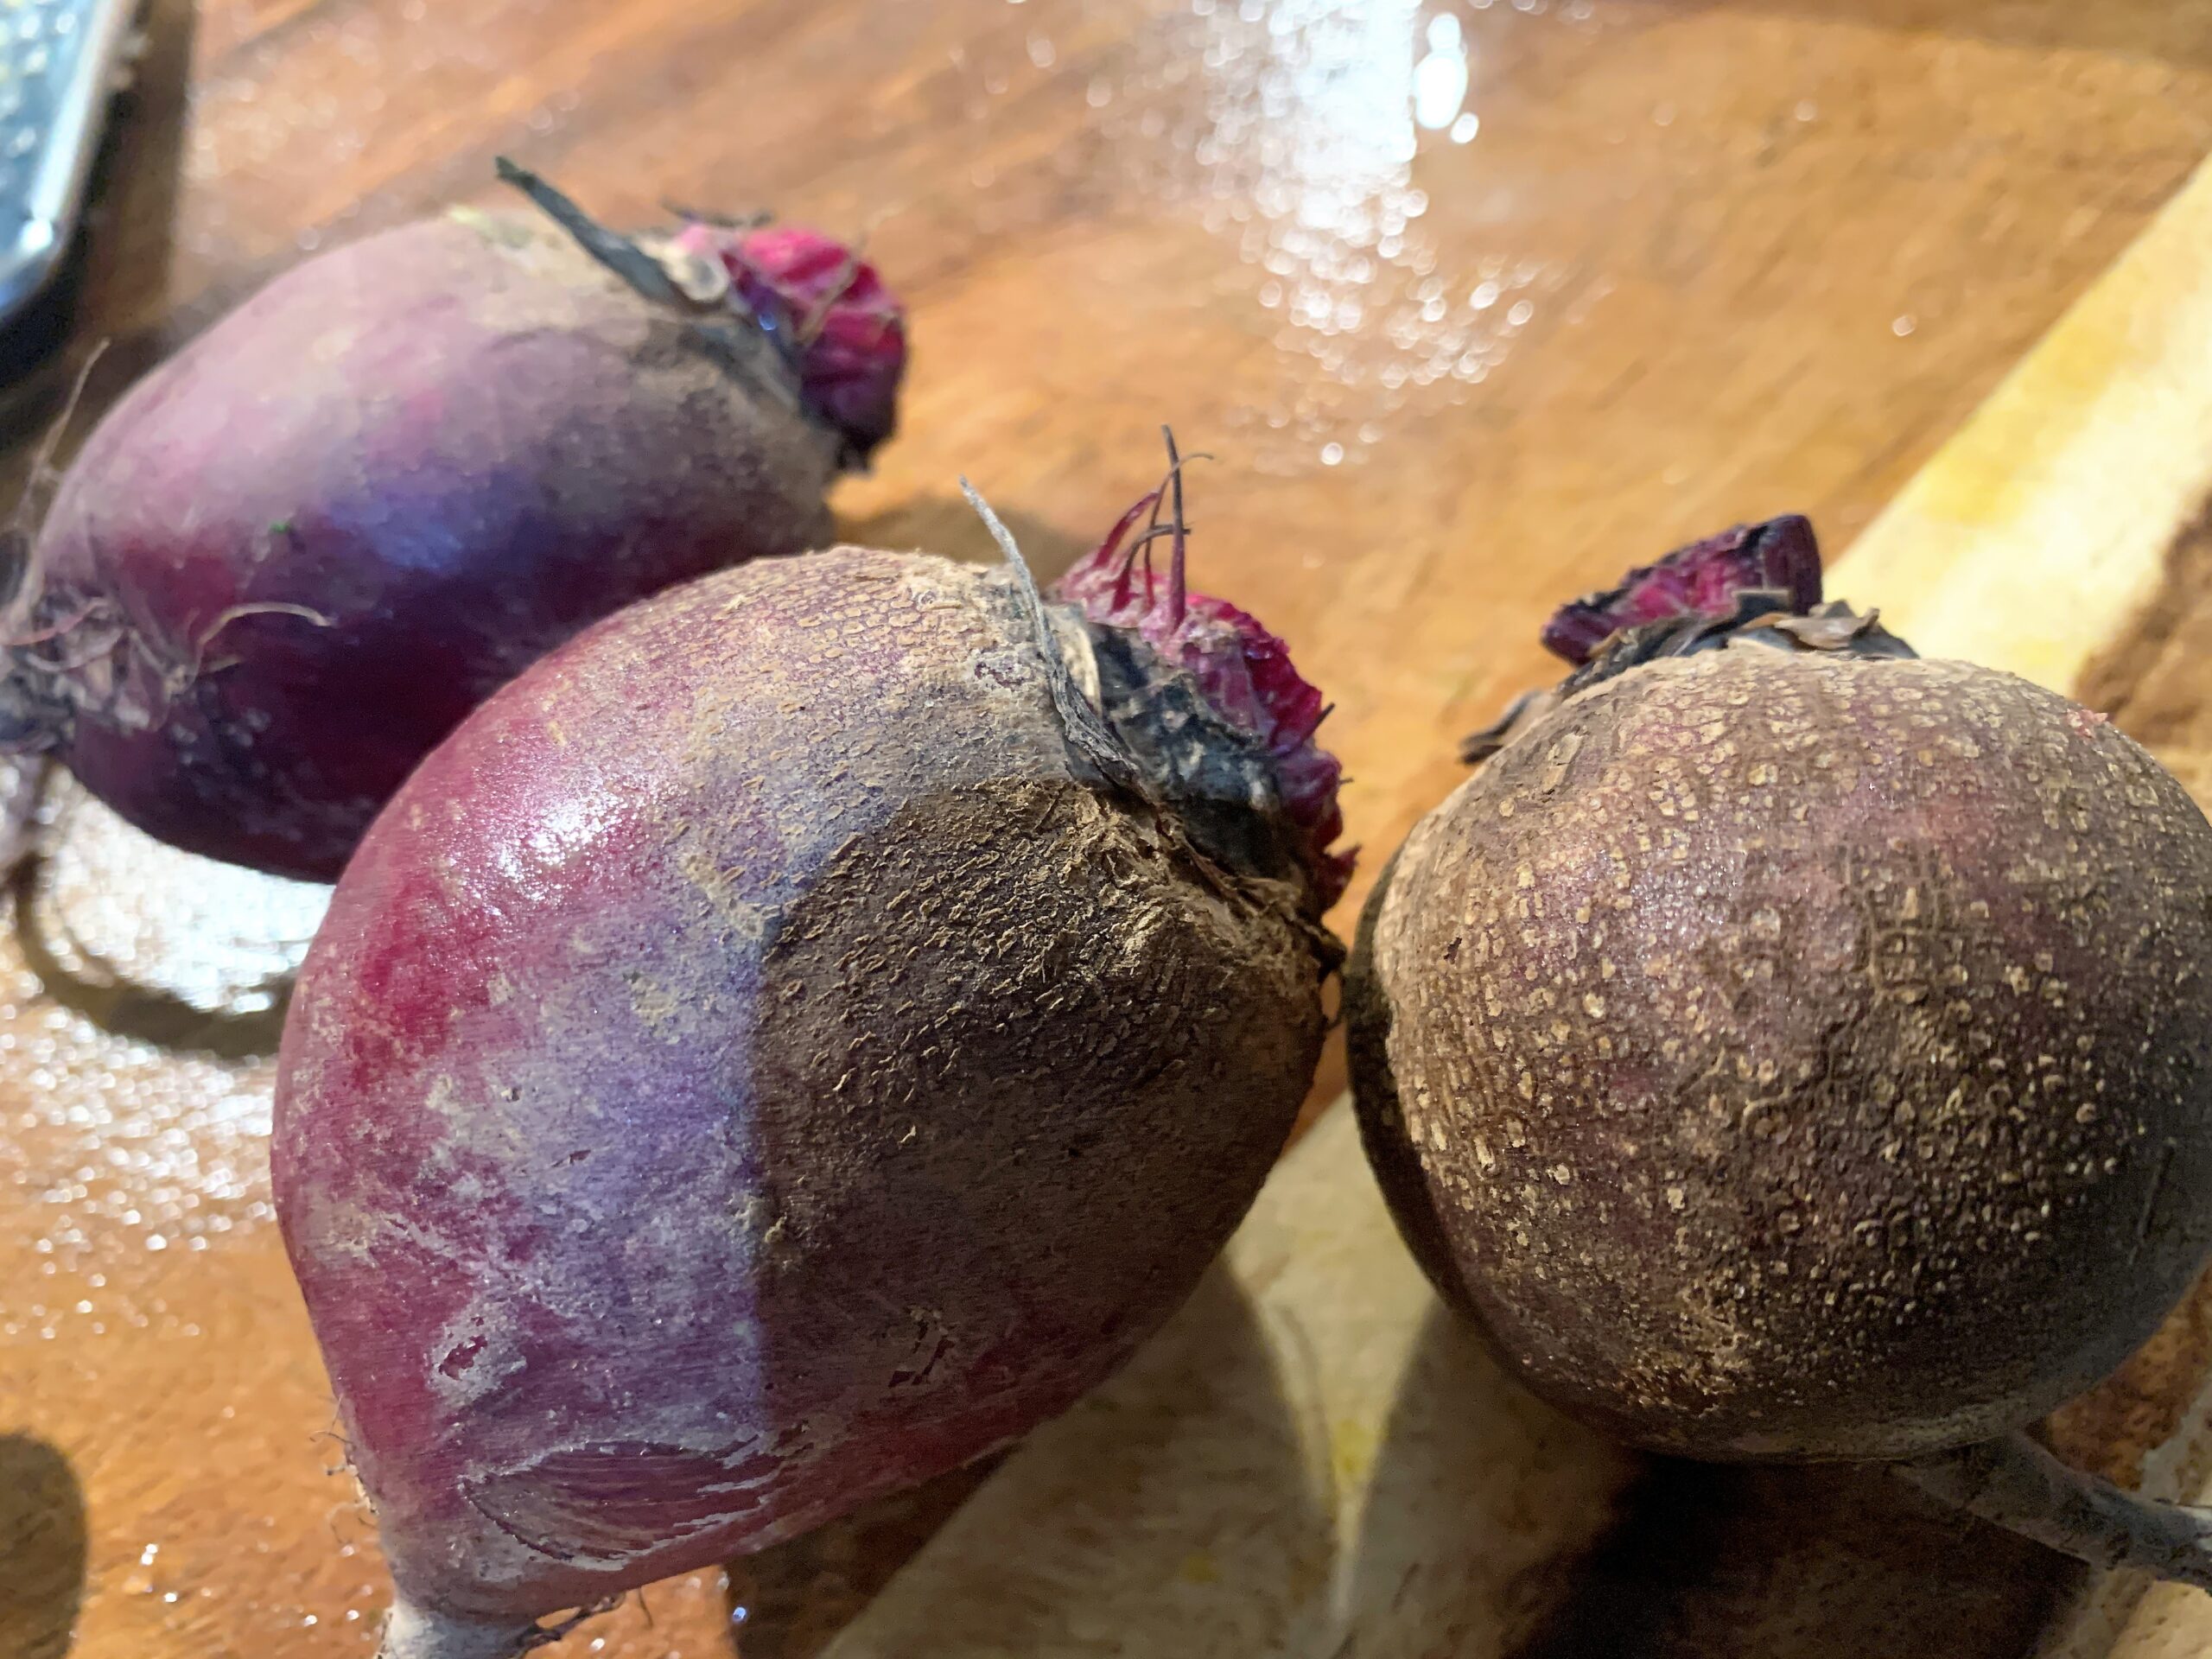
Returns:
<point x="2021" y="1487"/>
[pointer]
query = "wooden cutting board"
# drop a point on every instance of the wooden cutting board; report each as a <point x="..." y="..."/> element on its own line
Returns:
<point x="1312" y="1461"/>
<point x="1694" y="259"/>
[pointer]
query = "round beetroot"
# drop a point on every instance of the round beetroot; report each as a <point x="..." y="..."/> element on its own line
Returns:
<point x="1808" y="1056"/>
<point x="297" y="553"/>
<point x="791" y="1040"/>
<point x="1785" y="1048"/>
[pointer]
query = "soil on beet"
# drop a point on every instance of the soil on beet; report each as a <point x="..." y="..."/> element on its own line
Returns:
<point x="1803" y="1056"/>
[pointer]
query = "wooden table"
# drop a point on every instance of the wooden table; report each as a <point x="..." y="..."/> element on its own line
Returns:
<point x="1673" y="264"/>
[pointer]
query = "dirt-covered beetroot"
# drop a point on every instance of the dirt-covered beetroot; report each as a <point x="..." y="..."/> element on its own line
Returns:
<point x="1788" y="1048"/>
<point x="800" y="1034"/>
<point x="300" y="551"/>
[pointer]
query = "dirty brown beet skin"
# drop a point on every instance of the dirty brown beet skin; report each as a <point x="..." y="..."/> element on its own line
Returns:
<point x="1790" y="1050"/>
<point x="757" y="1064"/>
<point x="298" y="553"/>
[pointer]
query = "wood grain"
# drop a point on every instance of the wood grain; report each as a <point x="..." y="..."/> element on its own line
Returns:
<point x="1701" y="262"/>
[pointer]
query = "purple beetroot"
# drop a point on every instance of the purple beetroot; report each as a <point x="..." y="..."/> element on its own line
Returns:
<point x="791" y="1040"/>
<point x="298" y="552"/>
<point x="1787" y="1049"/>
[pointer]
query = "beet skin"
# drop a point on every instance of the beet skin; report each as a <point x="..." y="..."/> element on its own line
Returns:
<point x="298" y="552"/>
<point x="1785" y="1048"/>
<point x="757" y="1064"/>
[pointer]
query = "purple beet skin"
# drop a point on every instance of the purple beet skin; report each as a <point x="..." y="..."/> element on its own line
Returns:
<point x="297" y="554"/>
<point x="790" y="1041"/>
<point x="1704" y="579"/>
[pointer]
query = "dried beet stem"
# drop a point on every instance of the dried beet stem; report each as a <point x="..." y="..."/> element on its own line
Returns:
<point x="1762" y="617"/>
<point x="1087" y="734"/>
<point x="2018" y="1486"/>
<point x="618" y="253"/>
<point x="738" y="345"/>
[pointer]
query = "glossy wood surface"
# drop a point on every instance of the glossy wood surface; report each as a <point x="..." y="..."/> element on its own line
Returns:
<point x="1693" y="262"/>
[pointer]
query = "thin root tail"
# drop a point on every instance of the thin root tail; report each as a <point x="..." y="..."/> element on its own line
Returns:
<point x="2018" y="1486"/>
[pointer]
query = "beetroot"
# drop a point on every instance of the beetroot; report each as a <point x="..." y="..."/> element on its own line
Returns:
<point x="298" y="552"/>
<point x="1785" y="1048"/>
<point x="789" y="1042"/>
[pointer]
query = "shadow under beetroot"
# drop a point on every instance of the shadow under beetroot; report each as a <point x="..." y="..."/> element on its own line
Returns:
<point x="1840" y="1561"/>
<point x="1095" y="1523"/>
<point x="145" y="1013"/>
<point x="789" y="1602"/>
<point x="1498" y="1529"/>
<point x="42" y="1549"/>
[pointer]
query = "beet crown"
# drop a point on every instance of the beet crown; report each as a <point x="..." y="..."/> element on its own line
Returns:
<point x="1704" y="579"/>
<point x="1759" y="583"/>
<point x="832" y="312"/>
<point x="1244" y="671"/>
<point x="791" y="309"/>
